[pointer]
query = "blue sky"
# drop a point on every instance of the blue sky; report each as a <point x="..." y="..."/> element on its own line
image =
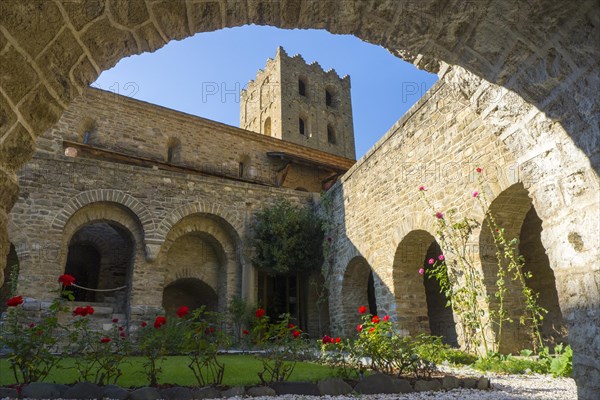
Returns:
<point x="181" y="74"/>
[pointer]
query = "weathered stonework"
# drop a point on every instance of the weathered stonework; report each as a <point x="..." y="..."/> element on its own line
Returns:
<point x="289" y="90"/>
<point x="532" y="84"/>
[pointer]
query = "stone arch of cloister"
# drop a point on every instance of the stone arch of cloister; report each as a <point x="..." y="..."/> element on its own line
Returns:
<point x="206" y="247"/>
<point x="529" y="70"/>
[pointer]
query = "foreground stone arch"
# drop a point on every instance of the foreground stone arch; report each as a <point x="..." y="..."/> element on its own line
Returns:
<point x="532" y="74"/>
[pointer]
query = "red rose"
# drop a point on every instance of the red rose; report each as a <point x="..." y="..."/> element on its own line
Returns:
<point x="362" y="309"/>
<point x="478" y="170"/>
<point x="14" y="301"/>
<point x="337" y="339"/>
<point x="246" y="332"/>
<point x="32" y="325"/>
<point x="182" y="311"/>
<point x="326" y="339"/>
<point x="80" y="311"/>
<point x="143" y="324"/>
<point x="66" y="280"/>
<point x="295" y="333"/>
<point x="291" y="326"/>
<point x="386" y="318"/>
<point x="439" y="215"/>
<point x="259" y="313"/>
<point x="159" y="321"/>
<point x="375" y="319"/>
<point x="371" y="330"/>
<point x="115" y="320"/>
<point x="122" y="334"/>
<point x="89" y="310"/>
<point x="105" y="340"/>
<point x="120" y="329"/>
<point x="359" y="328"/>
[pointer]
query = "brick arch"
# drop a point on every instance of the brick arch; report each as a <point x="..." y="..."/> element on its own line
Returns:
<point x="106" y="195"/>
<point x="232" y="219"/>
<point x="223" y="238"/>
<point x="113" y="213"/>
<point x="354" y="293"/>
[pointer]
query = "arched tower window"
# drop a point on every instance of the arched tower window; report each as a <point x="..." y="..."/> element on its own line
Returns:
<point x="301" y="126"/>
<point x="173" y="150"/>
<point x="331" y="134"/>
<point x="87" y="129"/>
<point x="267" y="128"/>
<point x="243" y="166"/>
<point x="328" y="98"/>
<point x="302" y="87"/>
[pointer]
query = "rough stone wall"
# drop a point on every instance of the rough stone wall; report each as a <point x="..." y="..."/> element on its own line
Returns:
<point x="262" y="99"/>
<point x="438" y="144"/>
<point x="133" y="127"/>
<point x="60" y="195"/>
<point x="543" y="53"/>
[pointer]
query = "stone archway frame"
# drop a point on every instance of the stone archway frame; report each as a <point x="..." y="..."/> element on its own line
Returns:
<point x="218" y="231"/>
<point x="541" y="51"/>
<point x="353" y="292"/>
<point x="102" y="211"/>
<point x="140" y="211"/>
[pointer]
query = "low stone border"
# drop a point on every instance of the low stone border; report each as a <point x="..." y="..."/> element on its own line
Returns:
<point x="373" y="384"/>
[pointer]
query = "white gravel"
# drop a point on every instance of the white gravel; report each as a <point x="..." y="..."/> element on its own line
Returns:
<point x="504" y="387"/>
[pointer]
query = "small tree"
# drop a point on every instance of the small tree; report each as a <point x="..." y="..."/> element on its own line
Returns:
<point x="288" y="239"/>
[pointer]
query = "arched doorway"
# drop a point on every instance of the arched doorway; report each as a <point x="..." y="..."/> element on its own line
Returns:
<point x="358" y="289"/>
<point x="421" y="308"/>
<point x="441" y="317"/>
<point x="100" y="257"/>
<point x="542" y="281"/>
<point x="190" y="292"/>
<point x="516" y="216"/>
<point x="195" y="273"/>
<point x="201" y="248"/>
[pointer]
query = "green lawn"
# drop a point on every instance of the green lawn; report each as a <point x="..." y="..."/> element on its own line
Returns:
<point x="239" y="370"/>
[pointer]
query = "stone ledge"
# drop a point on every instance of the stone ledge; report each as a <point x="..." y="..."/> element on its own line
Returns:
<point x="373" y="384"/>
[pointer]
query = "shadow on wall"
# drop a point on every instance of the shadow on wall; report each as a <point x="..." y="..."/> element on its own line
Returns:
<point x="190" y="292"/>
<point x="420" y="306"/>
<point x="514" y="212"/>
<point x="415" y="302"/>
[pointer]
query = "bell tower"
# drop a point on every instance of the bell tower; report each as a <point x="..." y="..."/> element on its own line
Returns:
<point x="301" y="103"/>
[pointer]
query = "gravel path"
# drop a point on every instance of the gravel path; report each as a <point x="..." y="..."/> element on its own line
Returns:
<point x="504" y="387"/>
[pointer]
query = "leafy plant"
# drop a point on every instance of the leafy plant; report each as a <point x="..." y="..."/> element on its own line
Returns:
<point x="34" y="346"/>
<point x="281" y="346"/>
<point x="155" y="342"/>
<point x="239" y="313"/>
<point x="287" y="238"/>
<point x="387" y="351"/>
<point x="559" y="364"/>
<point x="201" y="343"/>
<point x="97" y="355"/>
<point x="464" y="286"/>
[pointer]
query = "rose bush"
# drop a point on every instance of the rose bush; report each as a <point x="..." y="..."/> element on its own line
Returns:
<point x="281" y="346"/>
